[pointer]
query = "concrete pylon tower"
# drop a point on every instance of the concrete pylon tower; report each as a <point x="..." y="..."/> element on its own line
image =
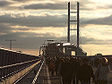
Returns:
<point x="78" y="50"/>
<point x="78" y="24"/>
<point x="77" y="21"/>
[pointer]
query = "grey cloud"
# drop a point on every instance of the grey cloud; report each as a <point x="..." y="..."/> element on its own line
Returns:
<point x="29" y="40"/>
<point x="33" y="40"/>
<point x="99" y="21"/>
<point x="85" y="40"/>
<point x="62" y="5"/>
<point x="84" y="3"/>
<point x="35" y="21"/>
<point x="5" y="28"/>
<point x="22" y="0"/>
<point x="54" y="6"/>
<point x="57" y="5"/>
<point x="25" y="40"/>
<point x="4" y="3"/>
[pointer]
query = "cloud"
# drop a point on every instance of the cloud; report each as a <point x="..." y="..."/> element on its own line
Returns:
<point x="20" y="0"/>
<point x="89" y="5"/>
<point x="30" y="40"/>
<point x="27" y="40"/>
<point x="23" y="0"/>
<point x="99" y="21"/>
<point x="49" y="5"/>
<point x="35" y="21"/>
<point x="53" y="6"/>
<point x="4" y="28"/>
<point x="4" y="3"/>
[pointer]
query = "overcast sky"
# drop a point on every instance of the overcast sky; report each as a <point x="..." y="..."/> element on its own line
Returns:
<point x="31" y="22"/>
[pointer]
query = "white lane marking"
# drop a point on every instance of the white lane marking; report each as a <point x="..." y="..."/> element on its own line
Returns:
<point x="34" y="81"/>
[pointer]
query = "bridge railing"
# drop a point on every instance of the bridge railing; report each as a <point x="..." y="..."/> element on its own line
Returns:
<point x="12" y="62"/>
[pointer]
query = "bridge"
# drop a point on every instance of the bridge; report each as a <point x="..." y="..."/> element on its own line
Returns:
<point x="18" y="68"/>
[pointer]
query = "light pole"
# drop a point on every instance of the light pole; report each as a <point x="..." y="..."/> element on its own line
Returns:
<point x="10" y="43"/>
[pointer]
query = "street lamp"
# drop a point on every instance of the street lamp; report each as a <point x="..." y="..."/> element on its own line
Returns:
<point x="10" y="43"/>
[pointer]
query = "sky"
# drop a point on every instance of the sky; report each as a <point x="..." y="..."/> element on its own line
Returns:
<point x="31" y="22"/>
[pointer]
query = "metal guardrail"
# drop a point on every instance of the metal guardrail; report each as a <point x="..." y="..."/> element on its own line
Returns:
<point x="9" y="70"/>
<point x="2" y="67"/>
